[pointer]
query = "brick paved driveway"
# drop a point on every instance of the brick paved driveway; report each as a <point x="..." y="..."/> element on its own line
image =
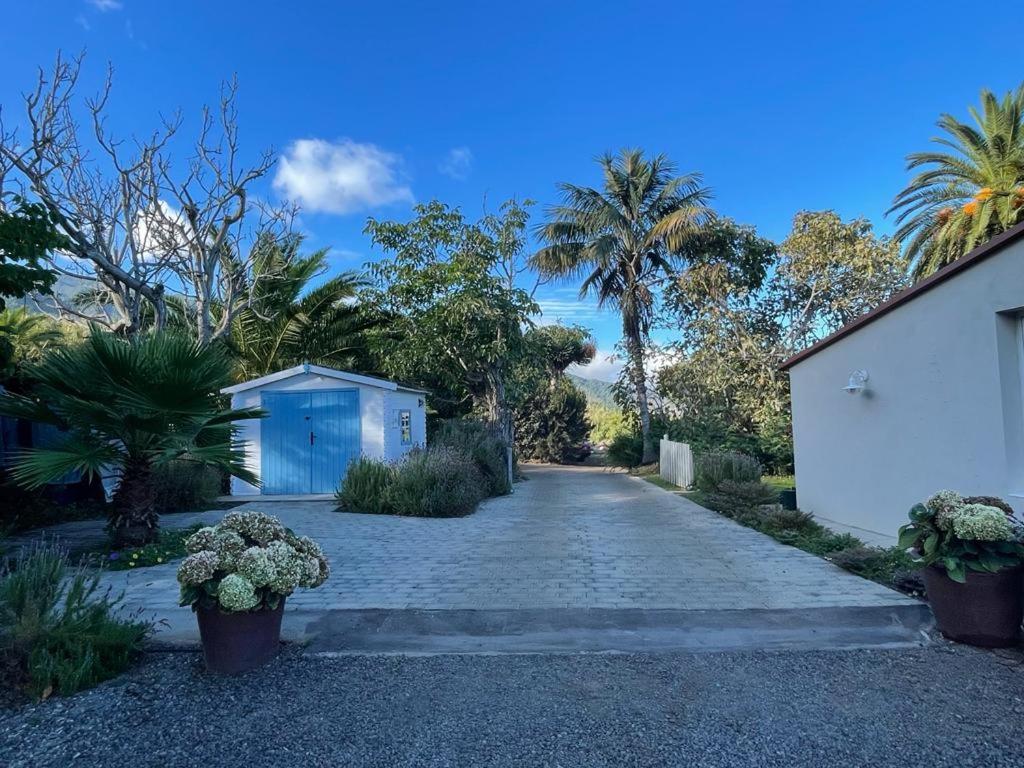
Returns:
<point x="569" y="537"/>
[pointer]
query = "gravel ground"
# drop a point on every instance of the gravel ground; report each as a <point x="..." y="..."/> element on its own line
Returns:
<point x="933" y="707"/>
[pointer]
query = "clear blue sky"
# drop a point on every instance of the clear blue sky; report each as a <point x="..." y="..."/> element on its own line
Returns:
<point x="782" y="106"/>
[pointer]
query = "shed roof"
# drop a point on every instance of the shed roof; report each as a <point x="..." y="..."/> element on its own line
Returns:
<point x="979" y="254"/>
<point x="319" y="370"/>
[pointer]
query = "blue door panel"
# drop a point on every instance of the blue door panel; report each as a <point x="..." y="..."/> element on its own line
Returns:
<point x="308" y="439"/>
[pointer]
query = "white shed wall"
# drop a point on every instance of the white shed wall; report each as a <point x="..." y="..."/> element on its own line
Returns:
<point x="394" y="404"/>
<point x="371" y="413"/>
<point x="942" y="407"/>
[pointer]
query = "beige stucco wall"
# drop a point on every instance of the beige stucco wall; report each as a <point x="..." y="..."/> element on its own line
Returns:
<point x="942" y="407"/>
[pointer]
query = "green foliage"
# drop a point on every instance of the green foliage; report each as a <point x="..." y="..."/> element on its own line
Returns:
<point x="710" y="470"/>
<point x="365" y="487"/>
<point x="58" y="632"/>
<point x="454" y="316"/>
<point x="606" y="423"/>
<point x="737" y="498"/>
<point x="891" y="566"/>
<point x="552" y="424"/>
<point x="963" y="197"/>
<point x="940" y="534"/>
<point x="130" y="405"/>
<point x="24" y="338"/>
<point x="185" y="486"/>
<point x="621" y="240"/>
<point x="626" y="450"/>
<point x="28" y="233"/>
<point x="441" y="482"/>
<point x="488" y="452"/>
<point x="291" y="321"/>
<point x="743" y="304"/>
<point x="168" y="547"/>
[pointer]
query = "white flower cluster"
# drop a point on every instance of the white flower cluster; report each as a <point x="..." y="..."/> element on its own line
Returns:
<point x="977" y="522"/>
<point x="250" y="557"/>
<point x="943" y="505"/>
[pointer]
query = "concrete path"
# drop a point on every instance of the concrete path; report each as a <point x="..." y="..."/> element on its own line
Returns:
<point x="578" y="538"/>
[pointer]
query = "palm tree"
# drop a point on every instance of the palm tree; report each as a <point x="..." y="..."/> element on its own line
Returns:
<point x="968" y="192"/>
<point x="24" y="338"/>
<point x="128" y="406"/>
<point x="289" y="323"/>
<point x="622" y="240"/>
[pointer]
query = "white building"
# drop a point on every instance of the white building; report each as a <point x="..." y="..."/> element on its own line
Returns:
<point x="320" y="419"/>
<point x="921" y="394"/>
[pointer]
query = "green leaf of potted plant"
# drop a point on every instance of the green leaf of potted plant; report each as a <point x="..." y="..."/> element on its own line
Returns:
<point x="973" y="555"/>
<point x="236" y="579"/>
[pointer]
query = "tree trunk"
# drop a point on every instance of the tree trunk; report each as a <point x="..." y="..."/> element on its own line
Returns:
<point x="638" y="372"/>
<point x="133" y="515"/>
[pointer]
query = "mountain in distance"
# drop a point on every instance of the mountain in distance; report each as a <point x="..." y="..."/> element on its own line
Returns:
<point x="597" y="392"/>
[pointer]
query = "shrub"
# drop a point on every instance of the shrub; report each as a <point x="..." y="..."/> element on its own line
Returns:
<point x="56" y="633"/>
<point x="626" y="450"/>
<point x="487" y="451"/>
<point x="552" y="424"/>
<point x="249" y="561"/>
<point x="711" y="469"/>
<point x="365" y="486"/>
<point x="169" y="546"/>
<point x="733" y="498"/>
<point x="441" y="482"/>
<point x="180" y="486"/>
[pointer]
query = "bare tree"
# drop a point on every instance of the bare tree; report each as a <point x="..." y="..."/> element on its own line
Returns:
<point x="141" y="228"/>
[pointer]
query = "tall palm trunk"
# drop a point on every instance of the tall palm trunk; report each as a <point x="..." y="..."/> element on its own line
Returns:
<point x="133" y="515"/>
<point x="638" y="373"/>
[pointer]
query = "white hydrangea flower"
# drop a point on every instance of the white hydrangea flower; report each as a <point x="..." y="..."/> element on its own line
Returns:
<point x="255" y="565"/>
<point x="977" y="522"/>
<point x="258" y="526"/>
<point x="288" y="567"/>
<point x="943" y="505"/>
<point x="198" y="567"/>
<point x="237" y="593"/>
<point x="229" y="546"/>
<point x="201" y="539"/>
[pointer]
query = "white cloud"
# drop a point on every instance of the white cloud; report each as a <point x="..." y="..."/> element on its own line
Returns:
<point x="605" y="366"/>
<point x="106" y="5"/>
<point x="457" y="163"/>
<point x="83" y="22"/>
<point x="340" y="177"/>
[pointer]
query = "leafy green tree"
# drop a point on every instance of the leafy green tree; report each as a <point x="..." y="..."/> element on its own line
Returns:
<point x="623" y="240"/>
<point x="127" y="407"/>
<point x="289" y="321"/>
<point x="969" y="190"/>
<point x="28" y="234"/>
<point x="550" y="411"/>
<point x="454" y="315"/>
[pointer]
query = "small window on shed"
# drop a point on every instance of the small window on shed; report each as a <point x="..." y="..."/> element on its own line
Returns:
<point x="405" y="425"/>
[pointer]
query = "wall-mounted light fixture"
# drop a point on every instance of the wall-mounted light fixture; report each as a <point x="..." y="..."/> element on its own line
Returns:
<point x="857" y="383"/>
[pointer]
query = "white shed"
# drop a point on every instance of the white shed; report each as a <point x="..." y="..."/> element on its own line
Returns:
<point x="924" y="393"/>
<point x="320" y="419"/>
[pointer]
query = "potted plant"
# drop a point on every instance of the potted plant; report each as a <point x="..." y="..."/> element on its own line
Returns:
<point x="236" y="579"/>
<point x="973" y="554"/>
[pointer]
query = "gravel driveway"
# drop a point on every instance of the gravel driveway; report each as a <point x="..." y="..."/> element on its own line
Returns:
<point x="931" y="707"/>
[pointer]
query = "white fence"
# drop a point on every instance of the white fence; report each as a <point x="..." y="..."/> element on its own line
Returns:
<point x="676" y="464"/>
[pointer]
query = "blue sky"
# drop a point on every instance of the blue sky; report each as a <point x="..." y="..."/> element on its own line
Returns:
<point x="782" y="106"/>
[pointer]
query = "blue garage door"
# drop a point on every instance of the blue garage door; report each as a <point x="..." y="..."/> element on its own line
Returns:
<point x="308" y="439"/>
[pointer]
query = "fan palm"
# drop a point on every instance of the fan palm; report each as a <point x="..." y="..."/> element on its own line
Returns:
<point x="968" y="192"/>
<point x="622" y="240"/>
<point x="126" y="407"/>
<point x="289" y="323"/>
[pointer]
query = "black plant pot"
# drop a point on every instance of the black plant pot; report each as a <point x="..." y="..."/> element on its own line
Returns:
<point x="238" y="642"/>
<point x="986" y="610"/>
<point x="787" y="498"/>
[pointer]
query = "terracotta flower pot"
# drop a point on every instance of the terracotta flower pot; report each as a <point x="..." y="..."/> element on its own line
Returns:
<point x="986" y="610"/>
<point x="237" y="642"/>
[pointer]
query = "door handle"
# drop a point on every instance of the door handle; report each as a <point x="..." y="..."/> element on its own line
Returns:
<point x="311" y="437"/>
